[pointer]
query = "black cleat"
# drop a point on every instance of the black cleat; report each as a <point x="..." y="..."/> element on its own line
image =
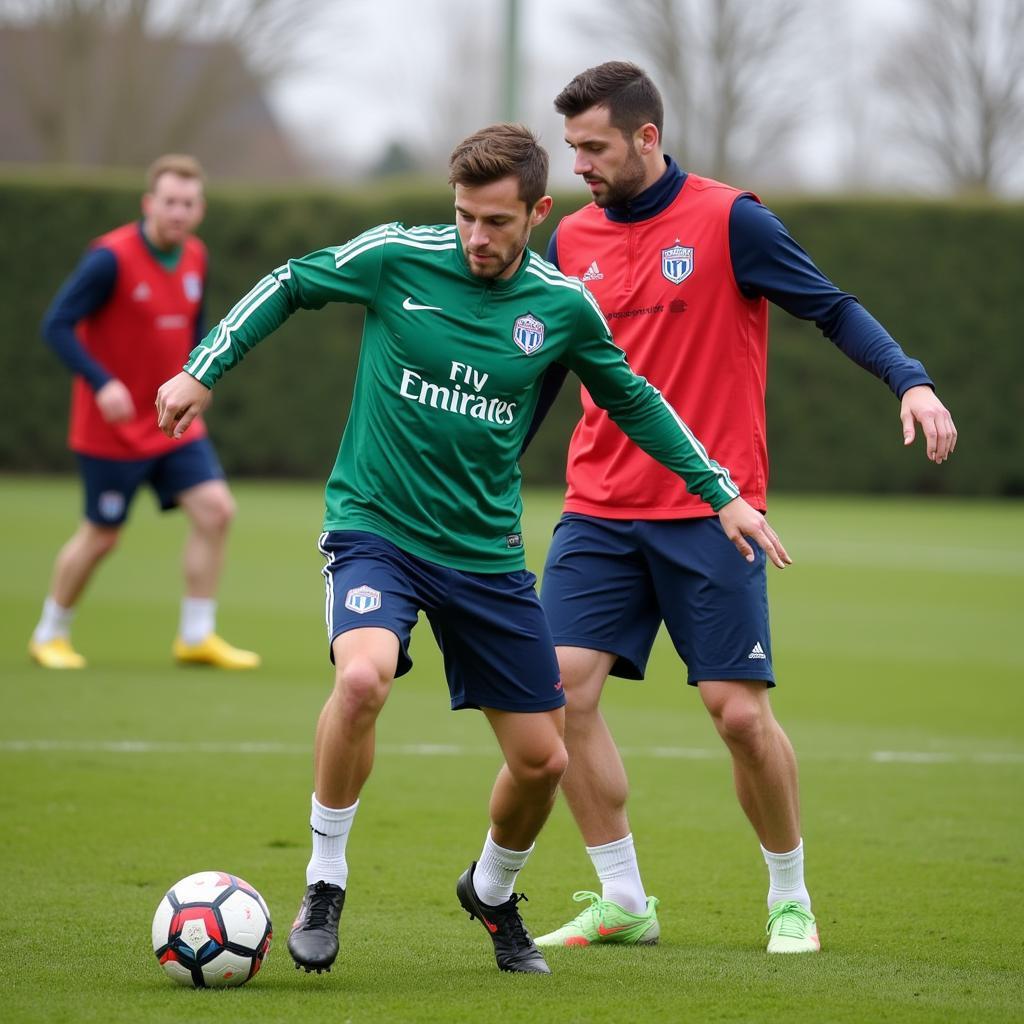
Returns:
<point x="313" y="942"/>
<point x="513" y="948"/>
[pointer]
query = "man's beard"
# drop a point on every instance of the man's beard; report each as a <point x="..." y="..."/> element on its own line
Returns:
<point x="627" y="185"/>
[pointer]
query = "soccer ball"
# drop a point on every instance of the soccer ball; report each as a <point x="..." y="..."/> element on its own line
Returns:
<point x="211" y="929"/>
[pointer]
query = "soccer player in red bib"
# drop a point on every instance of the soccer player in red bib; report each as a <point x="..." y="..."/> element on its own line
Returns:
<point x="683" y="268"/>
<point x="122" y="323"/>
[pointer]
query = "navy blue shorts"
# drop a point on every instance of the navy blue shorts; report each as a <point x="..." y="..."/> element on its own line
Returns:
<point x="609" y="584"/>
<point x="498" y="651"/>
<point x="110" y="484"/>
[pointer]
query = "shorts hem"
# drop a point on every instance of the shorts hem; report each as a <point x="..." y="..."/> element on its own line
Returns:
<point x="730" y="675"/>
<point x="532" y="709"/>
<point x="404" y="661"/>
<point x="625" y="667"/>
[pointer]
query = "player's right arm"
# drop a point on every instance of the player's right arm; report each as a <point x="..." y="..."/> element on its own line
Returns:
<point x="346" y="273"/>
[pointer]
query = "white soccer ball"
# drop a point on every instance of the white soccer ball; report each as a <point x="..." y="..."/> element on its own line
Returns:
<point x="211" y="929"/>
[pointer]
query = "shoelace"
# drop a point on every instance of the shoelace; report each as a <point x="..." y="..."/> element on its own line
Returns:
<point x="795" y="919"/>
<point x="516" y="929"/>
<point x="594" y="908"/>
<point x="320" y="905"/>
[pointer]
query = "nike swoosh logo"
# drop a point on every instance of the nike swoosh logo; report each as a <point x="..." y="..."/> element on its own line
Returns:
<point x="409" y="304"/>
<point x="602" y="930"/>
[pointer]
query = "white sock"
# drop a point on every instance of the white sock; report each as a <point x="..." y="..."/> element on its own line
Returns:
<point x="329" y="827"/>
<point x="496" y="871"/>
<point x="54" y="622"/>
<point x="198" y="619"/>
<point x="619" y="874"/>
<point x="786" y="876"/>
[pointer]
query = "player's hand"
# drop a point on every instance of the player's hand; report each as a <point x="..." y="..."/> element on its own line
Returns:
<point x="922" y="404"/>
<point x="115" y="402"/>
<point x="179" y="401"/>
<point x="740" y="520"/>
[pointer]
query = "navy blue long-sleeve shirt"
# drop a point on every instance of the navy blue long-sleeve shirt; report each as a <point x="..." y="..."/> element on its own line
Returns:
<point x="767" y="262"/>
<point x="86" y="290"/>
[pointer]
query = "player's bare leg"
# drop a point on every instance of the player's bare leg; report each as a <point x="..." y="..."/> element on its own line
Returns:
<point x="78" y="559"/>
<point x="210" y="509"/>
<point x="365" y="662"/>
<point x="596" y="788"/>
<point x="765" y="776"/>
<point x="595" y="783"/>
<point x="521" y="800"/>
<point x="525" y="789"/>
<point x="73" y="568"/>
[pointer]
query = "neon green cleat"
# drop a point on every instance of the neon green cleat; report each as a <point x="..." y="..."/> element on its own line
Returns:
<point x="791" y="929"/>
<point x="604" y="921"/>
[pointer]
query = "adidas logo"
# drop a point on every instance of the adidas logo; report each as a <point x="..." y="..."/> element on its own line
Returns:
<point x="757" y="652"/>
<point x="592" y="273"/>
<point x="141" y="292"/>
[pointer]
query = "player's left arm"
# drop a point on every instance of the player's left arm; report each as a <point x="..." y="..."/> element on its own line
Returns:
<point x="767" y="261"/>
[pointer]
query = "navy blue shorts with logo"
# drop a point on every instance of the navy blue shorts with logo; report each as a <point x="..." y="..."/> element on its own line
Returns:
<point x="609" y="584"/>
<point x="110" y="484"/>
<point x="497" y="648"/>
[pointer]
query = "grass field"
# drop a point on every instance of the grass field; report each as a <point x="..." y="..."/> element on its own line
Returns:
<point x="899" y="643"/>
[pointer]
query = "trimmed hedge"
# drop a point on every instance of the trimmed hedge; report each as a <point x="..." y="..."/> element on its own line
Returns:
<point x="943" y="278"/>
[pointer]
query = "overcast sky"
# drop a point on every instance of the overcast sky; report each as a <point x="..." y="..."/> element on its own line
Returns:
<point x="383" y="78"/>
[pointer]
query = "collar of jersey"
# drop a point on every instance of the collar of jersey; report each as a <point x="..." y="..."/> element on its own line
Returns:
<point x="494" y="284"/>
<point x="653" y="200"/>
<point x="167" y="258"/>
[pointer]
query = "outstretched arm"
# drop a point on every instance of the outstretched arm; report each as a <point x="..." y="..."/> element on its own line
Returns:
<point x="768" y="262"/>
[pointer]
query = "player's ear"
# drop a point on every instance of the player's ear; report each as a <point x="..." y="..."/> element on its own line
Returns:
<point x="540" y="210"/>
<point x="647" y="138"/>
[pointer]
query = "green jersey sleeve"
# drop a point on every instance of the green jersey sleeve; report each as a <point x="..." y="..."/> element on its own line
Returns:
<point x="640" y="410"/>
<point x="345" y="273"/>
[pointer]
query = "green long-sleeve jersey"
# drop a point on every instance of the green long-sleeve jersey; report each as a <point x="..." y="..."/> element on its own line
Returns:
<point x="446" y="385"/>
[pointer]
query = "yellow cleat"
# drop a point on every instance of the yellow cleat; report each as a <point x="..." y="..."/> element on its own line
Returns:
<point x="215" y="651"/>
<point x="56" y="653"/>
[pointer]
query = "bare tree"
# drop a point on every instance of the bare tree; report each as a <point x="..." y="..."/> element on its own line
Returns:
<point x="956" y="79"/>
<point x="110" y="81"/>
<point x="731" y="72"/>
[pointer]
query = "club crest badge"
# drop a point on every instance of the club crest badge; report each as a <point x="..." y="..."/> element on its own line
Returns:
<point x="193" y="287"/>
<point x="528" y="333"/>
<point x="362" y="600"/>
<point x="677" y="262"/>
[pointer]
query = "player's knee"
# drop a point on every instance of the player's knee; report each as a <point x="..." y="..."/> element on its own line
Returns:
<point x="213" y="509"/>
<point x="742" y="723"/>
<point x="543" y="768"/>
<point x="102" y="540"/>
<point x="219" y="512"/>
<point x="361" y="687"/>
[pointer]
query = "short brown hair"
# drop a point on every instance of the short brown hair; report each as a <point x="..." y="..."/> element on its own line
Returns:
<point x="502" y="151"/>
<point x="625" y="89"/>
<point x="173" y="163"/>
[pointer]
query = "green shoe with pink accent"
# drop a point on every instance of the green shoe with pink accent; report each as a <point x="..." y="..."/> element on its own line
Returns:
<point x="606" y="922"/>
<point x="791" y="929"/>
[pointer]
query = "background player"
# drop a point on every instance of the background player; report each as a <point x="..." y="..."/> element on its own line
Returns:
<point x="682" y="267"/>
<point x="123" y="321"/>
<point x="423" y="505"/>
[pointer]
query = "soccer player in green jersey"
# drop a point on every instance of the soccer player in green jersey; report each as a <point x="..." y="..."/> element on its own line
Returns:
<point x="423" y="505"/>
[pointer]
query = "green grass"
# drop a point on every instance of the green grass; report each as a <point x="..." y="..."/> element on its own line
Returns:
<point x="899" y="648"/>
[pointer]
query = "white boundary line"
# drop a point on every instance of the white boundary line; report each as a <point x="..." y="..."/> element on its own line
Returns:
<point x="458" y="750"/>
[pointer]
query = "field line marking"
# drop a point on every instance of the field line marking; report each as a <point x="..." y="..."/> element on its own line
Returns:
<point x="458" y="750"/>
